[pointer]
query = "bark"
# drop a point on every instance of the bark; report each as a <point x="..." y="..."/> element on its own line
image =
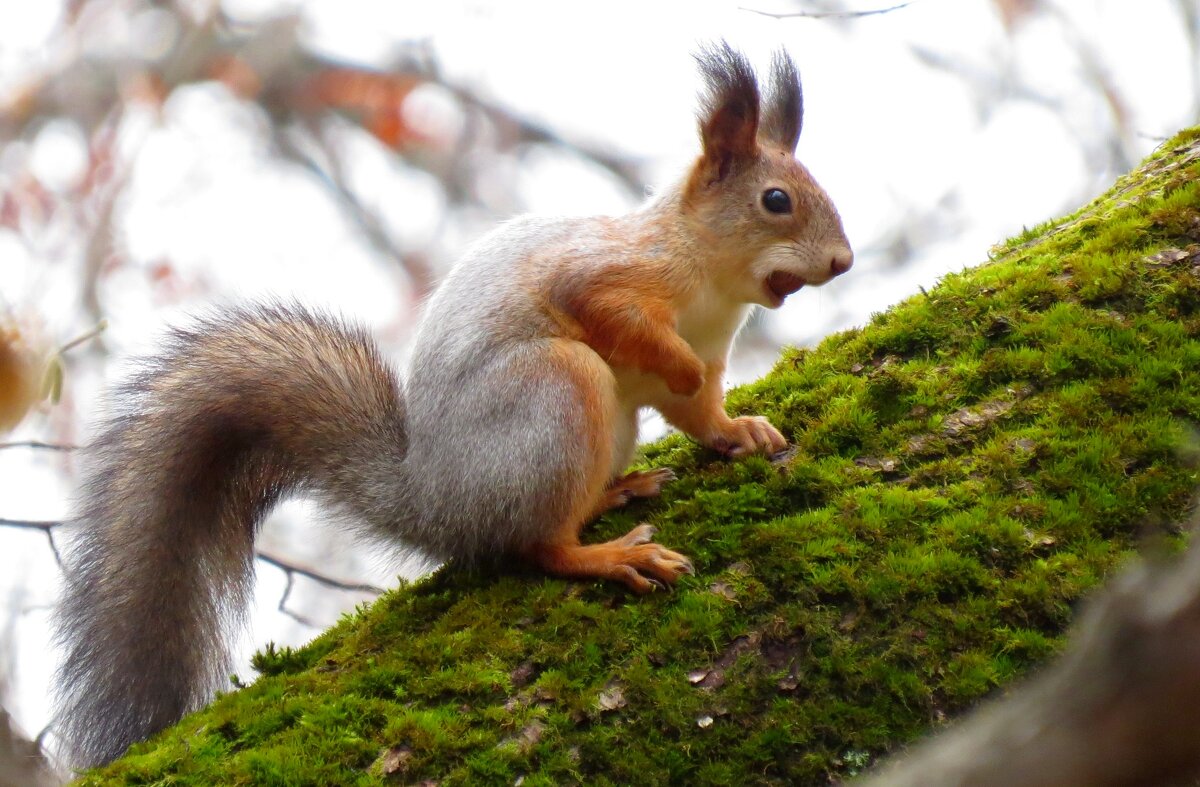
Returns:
<point x="1120" y="707"/>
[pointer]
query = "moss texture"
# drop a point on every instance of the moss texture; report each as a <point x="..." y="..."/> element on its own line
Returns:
<point x="964" y="469"/>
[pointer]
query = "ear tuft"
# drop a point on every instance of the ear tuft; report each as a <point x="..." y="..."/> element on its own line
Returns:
<point x="729" y="112"/>
<point x="784" y="112"/>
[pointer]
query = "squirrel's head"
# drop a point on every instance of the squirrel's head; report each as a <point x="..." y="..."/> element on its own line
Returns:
<point x="774" y="227"/>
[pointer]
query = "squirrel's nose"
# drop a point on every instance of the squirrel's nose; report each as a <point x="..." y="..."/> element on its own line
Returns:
<point x="843" y="260"/>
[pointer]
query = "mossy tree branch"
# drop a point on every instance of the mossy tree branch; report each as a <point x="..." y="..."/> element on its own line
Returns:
<point x="964" y="469"/>
<point x="1121" y="706"/>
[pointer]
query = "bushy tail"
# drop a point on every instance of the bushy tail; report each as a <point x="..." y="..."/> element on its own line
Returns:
<point x="239" y="411"/>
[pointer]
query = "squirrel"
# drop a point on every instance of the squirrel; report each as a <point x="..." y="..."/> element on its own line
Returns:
<point x="511" y="431"/>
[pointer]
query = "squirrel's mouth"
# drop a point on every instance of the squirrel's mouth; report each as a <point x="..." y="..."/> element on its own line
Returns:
<point x="781" y="284"/>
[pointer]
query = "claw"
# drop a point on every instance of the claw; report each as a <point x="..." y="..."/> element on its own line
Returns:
<point x="746" y="435"/>
<point x="642" y="534"/>
<point x="721" y="446"/>
<point x="643" y="566"/>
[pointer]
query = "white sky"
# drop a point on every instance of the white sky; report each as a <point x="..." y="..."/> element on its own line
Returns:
<point x="888" y="136"/>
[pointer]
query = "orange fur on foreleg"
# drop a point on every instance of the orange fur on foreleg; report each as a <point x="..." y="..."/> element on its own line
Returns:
<point x="629" y="324"/>
<point x="703" y="417"/>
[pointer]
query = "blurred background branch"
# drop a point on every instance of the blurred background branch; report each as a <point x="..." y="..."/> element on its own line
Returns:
<point x="306" y="104"/>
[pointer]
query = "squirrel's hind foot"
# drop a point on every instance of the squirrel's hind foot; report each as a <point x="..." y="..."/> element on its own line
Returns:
<point x="637" y="484"/>
<point x="632" y="559"/>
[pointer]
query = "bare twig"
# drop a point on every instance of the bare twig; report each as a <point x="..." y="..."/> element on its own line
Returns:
<point x="527" y="131"/>
<point x="45" y="526"/>
<point x="283" y="599"/>
<point x="316" y="576"/>
<point x="291" y="570"/>
<point x="330" y="174"/>
<point x="30" y="524"/>
<point x="1097" y="70"/>
<point x="826" y="14"/>
<point x="39" y="444"/>
<point x="1190" y="16"/>
<point x="99" y="328"/>
<point x="289" y="567"/>
<point x="99" y="216"/>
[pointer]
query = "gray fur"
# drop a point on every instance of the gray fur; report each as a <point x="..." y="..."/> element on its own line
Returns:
<point x="242" y="410"/>
<point x="477" y="369"/>
<point x="175" y="487"/>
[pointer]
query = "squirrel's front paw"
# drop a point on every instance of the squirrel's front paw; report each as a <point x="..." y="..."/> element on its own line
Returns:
<point x="748" y="434"/>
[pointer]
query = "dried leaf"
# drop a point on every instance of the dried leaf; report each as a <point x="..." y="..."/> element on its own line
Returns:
<point x="612" y="698"/>
<point x="395" y="760"/>
<point x="723" y="589"/>
<point x="23" y="359"/>
<point x="879" y="464"/>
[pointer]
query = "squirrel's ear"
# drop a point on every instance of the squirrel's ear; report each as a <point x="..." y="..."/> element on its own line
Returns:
<point x="729" y="113"/>
<point x="783" y="114"/>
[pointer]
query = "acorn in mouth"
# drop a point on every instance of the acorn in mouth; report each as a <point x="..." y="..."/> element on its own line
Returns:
<point x="782" y="284"/>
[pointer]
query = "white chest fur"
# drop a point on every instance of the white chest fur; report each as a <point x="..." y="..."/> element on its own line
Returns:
<point x="708" y="322"/>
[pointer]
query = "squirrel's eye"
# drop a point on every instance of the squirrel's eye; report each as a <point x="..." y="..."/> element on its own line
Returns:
<point x="777" y="201"/>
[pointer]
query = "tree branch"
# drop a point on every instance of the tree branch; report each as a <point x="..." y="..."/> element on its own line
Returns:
<point x="283" y="599"/>
<point x="39" y="444"/>
<point x="46" y="527"/>
<point x="331" y="175"/>
<point x="99" y="328"/>
<point x="311" y="573"/>
<point x="289" y="567"/>
<point x="1121" y="706"/>
<point x="827" y="14"/>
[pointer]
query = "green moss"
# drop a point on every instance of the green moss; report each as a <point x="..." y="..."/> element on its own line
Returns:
<point x="964" y="469"/>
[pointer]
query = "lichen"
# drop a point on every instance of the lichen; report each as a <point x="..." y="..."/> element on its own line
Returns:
<point x="963" y="470"/>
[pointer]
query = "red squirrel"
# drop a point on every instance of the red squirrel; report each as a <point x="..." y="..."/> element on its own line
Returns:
<point x="511" y="431"/>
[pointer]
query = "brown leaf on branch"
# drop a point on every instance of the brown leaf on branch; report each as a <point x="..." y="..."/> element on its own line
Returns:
<point x="236" y="74"/>
<point x="22" y="362"/>
<point x="375" y="99"/>
<point x="312" y="106"/>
